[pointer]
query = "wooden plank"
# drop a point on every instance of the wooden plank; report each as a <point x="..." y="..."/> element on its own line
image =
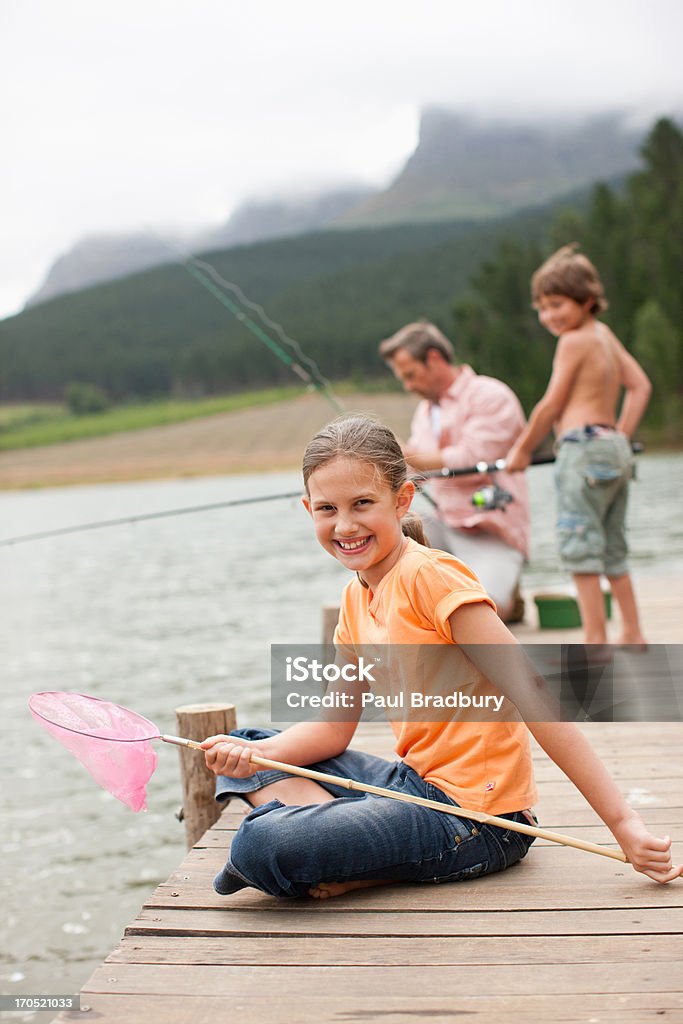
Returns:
<point x="395" y="951"/>
<point x="404" y="983"/>
<point x="579" y="881"/>
<point x="655" y="766"/>
<point x="633" y="1008"/>
<point x="442" y="897"/>
<point x="328" y="918"/>
<point x="562" y="807"/>
<point x="659" y="789"/>
<point x="605" y="884"/>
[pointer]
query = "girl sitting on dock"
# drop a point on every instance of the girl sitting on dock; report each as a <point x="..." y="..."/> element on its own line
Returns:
<point x="306" y="838"/>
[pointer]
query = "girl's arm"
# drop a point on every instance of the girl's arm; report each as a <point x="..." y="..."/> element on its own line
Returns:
<point x="301" y="744"/>
<point x="478" y="630"/>
<point x="572" y="752"/>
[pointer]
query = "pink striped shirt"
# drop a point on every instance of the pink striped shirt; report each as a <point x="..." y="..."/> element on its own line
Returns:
<point x="477" y="420"/>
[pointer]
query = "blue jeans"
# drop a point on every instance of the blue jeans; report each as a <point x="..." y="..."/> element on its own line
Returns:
<point x="285" y="850"/>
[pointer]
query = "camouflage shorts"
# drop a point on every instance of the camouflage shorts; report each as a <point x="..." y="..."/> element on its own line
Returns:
<point x="592" y="475"/>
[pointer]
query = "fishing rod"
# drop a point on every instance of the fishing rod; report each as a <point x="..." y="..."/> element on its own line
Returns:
<point x="255" y="329"/>
<point x="499" y="466"/>
<point x="144" y="516"/>
<point x="207" y="275"/>
<point x="102" y="524"/>
<point x="487" y="499"/>
<point x="478" y="468"/>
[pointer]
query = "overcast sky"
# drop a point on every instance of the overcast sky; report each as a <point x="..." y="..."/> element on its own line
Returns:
<point x="117" y="115"/>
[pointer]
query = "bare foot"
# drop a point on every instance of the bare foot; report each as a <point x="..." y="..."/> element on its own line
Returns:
<point x="633" y="645"/>
<point x="598" y="654"/>
<point x="326" y="890"/>
<point x="584" y="656"/>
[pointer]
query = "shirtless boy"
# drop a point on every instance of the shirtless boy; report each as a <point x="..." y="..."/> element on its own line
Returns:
<point x="594" y="459"/>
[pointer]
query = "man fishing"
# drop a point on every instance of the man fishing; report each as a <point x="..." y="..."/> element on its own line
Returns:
<point x="464" y="418"/>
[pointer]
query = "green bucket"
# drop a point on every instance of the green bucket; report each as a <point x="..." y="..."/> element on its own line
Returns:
<point x="561" y="611"/>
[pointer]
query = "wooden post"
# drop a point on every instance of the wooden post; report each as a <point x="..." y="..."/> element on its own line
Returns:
<point x="196" y="722"/>
<point x="330" y="619"/>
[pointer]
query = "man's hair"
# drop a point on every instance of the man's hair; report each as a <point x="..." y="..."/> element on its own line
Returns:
<point x="568" y="272"/>
<point x="417" y="339"/>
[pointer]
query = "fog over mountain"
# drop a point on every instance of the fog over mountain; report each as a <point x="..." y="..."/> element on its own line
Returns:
<point x="461" y="168"/>
<point x="258" y="219"/>
<point x="99" y="258"/>
<point x="464" y="167"/>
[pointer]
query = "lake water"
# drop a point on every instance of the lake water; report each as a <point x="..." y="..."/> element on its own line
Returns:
<point x="152" y="616"/>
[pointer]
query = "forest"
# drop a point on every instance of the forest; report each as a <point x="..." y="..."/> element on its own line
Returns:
<point x="634" y="235"/>
<point x="338" y="293"/>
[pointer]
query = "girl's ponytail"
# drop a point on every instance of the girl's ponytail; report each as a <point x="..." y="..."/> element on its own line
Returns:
<point x="412" y="527"/>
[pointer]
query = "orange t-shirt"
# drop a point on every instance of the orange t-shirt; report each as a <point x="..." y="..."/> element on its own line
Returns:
<point x="485" y="766"/>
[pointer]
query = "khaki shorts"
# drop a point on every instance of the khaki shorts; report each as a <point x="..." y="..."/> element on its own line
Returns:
<point x="592" y="475"/>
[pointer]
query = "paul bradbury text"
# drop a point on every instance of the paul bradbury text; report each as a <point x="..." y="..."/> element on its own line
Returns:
<point x="394" y="702"/>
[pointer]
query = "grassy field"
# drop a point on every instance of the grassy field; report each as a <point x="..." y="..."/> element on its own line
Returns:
<point x="35" y="425"/>
<point x="17" y="417"/>
<point x="255" y="432"/>
<point x="268" y="433"/>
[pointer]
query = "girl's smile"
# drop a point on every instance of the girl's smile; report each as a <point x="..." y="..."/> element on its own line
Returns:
<point x="353" y="546"/>
<point x="357" y="516"/>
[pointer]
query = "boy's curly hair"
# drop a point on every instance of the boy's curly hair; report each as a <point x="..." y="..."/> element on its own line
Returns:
<point x="568" y="272"/>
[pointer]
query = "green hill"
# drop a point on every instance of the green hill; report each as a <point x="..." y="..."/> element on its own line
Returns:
<point x="462" y="168"/>
<point x="338" y="293"/>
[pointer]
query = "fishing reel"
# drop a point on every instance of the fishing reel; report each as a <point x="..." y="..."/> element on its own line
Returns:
<point x="491" y="498"/>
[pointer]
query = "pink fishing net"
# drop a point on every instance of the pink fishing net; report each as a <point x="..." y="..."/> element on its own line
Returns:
<point x="110" y="741"/>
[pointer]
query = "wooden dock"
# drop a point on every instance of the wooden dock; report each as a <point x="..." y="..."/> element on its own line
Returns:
<point x="564" y="936"/>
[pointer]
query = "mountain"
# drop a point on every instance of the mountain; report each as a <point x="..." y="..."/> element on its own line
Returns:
<point x="258" y="220"/>
<point x="467" y="168"/>
<point x="461" y="169"/>
<point x="99" y="258"/>
<point x="160" y="332"/>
